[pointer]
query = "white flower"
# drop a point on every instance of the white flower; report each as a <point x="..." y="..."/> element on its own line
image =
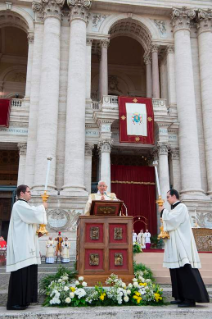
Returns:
<point x="148" y="280"/>
<point x="71" y="294"/>
<point x="135" y="279"/>
<point x="80" y="293"/>
<point x="130" y="286"/>
<point x="66" y="288"/>
<point x="123" y="285"/>
<point x="67" y="300"/>
<point x="65" y="278"/>
<point x="81" y="278"/>
<point x="135" y="284"/>
<point x="59" y="280"/>
<point x="128" y="291"/>
<point x="126" y="298"/>
<point x="76" y="282"/>
<point x="84" y="284"/>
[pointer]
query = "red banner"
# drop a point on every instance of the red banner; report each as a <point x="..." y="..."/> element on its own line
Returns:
<point x="124" y="137"/>
<point x="4" y="112"/>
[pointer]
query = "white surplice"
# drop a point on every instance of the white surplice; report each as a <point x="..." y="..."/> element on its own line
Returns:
<point x="180" y="249"/>
<point x="22" y="241"/>
<point x="98" y="196"/>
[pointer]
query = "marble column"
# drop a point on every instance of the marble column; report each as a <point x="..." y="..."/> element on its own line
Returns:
<point x="175" y="169"/>
<point x="188" y="135"/>
<point x="105" y="172"/>
<point x="88" y="166"/>
<point x="155" y="72"/>
<point x="147" y="61"/>
<point x="163" y="171"/>
<point x="205" y="59"/>
<point x="103" y="71"/>
<point x="34" y="97"/>
<point x="163" y="80"/>
<point x="22" y="162"/>
<point x="88" y="67"/>
<point x="75" y="114"/>
<point x="171" y="75"/>
<point x="49" y="95"/>
<point x="29" y="64"/>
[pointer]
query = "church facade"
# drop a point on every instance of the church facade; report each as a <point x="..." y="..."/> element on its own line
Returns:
<point x="64" y="64"/>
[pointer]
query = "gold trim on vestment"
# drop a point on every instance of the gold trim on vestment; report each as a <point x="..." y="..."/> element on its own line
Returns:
<point x="131" y="182"/>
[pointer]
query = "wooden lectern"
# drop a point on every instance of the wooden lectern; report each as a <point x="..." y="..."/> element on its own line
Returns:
<point x="104" y="243"/>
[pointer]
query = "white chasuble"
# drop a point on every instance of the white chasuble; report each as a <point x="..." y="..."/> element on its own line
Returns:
<point x="180" y="249"/>
<point x="136" y="119"/>
<point x="22" y="242"/>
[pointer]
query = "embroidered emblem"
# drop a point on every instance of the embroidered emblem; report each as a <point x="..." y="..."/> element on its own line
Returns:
<point x="135" y="100"/>
<point x="149" y="119"/>
<point x="137" y="118"/>
<point x="137" y="139"/>
<point x="123" y="117"/>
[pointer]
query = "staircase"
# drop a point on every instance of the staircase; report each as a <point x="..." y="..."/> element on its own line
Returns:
<point x="154" y="260"/>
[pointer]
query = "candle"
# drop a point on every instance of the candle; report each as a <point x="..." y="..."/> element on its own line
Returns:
<point x="155" y="163"/>
<point x="47" y="173"/>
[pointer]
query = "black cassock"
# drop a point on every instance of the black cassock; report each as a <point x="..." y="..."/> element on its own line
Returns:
<point x="23" y="287"/>
<point x="187" y="284"/>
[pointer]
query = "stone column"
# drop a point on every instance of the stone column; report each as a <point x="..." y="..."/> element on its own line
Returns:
<point x="155" y="72"/>
<point x="22" y="162"/>
<point x="34" y="97"/>
<point x="188" y="136"/>
<point x="147" y="61"/>
<point x="49" y="94"/>
<point x="88" y="67"/>
<point x="171" y="75"/>
<point x="175" y="169"/>
<point x="205" y="59"/>
<point x="29" y="64"/>
<point x="103" y="72"/>
<point x="163" y="171"/>
<point x="105" y="172"/>
<point x="88" y="166"/>
<point x="75" y="114"/>
<point x="163" y="80"/>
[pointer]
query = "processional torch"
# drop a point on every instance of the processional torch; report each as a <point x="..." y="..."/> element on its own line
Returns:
<point x="45" y="196"/>
<point x="163" y="234"/>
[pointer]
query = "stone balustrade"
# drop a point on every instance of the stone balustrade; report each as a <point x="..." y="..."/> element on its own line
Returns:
<point x="16" y="103"/>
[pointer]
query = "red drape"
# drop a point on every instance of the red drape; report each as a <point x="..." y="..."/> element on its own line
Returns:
<point x="139" y="199"/>
<point x="4" y="112"/>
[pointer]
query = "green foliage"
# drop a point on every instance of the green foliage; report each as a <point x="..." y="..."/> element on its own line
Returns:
<point x="147" y="273"/>
<point x="137" y="248"/>
<point x="156" y="243"/>
<point x="61" y="270"/>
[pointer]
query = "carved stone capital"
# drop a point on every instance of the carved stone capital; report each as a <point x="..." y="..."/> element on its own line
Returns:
<point x="104" y="43"/>
<point x="147" y="59"/>
<point x="49" y="8"/>
<point x="175" y="154"/>
<point x="105" y="146"/>
<point x="79" y="9"/>
<point x="181" y="18"/>
<point x="22" y="148"/>
<point x="170" y="49"/>
<point x="204" y="21"/>
<point x="30" y="37"/>
<point x="154" y="48"/>
<point x="88" y="149"/>
<point x="163" y="149"/>
<point x="89" y="42"/>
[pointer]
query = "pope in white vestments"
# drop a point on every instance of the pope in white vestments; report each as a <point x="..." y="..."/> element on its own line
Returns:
<point x="181" y="255"/>
<point x="23" y="254"/>
<point x="100" y="195"/>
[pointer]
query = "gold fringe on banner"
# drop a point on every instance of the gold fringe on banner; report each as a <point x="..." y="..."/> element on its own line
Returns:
<point x="131" y="182"/>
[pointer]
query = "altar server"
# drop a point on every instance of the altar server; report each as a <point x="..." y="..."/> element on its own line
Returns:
<point x="100" y="195"/>
<point x="181" y="255"/>
<point x="50" y="251"/>
<point x="141" y="239"/>
<point x="147" y="239"/>
<point x="23" y="250"/>
<point x="65" y="254"/>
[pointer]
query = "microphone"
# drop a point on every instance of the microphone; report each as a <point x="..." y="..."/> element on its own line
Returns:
<point x="118" y="200"/>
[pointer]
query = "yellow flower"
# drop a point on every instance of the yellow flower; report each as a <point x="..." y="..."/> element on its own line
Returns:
<point x="137" y="293"/>
<point x="137" y="298"/>
<point x="158" y="297"/>
<point x="143" y="284"/>
<point x="72" y="289"/>
<point x="102" y="296"/>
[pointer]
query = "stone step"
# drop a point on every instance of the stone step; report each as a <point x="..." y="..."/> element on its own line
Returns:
<point x="165" y="312"/>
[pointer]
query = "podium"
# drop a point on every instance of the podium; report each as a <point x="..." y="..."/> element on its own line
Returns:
<point x="104" y="246"/>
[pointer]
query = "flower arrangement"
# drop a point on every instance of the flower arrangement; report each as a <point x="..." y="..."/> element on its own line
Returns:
<point x="62" y="292"/>
<point x="137" y="248"/>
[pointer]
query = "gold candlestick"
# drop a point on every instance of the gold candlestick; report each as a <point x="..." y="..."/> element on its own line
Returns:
<point x="42" y="227"/>
<point x="163" y="234"/>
